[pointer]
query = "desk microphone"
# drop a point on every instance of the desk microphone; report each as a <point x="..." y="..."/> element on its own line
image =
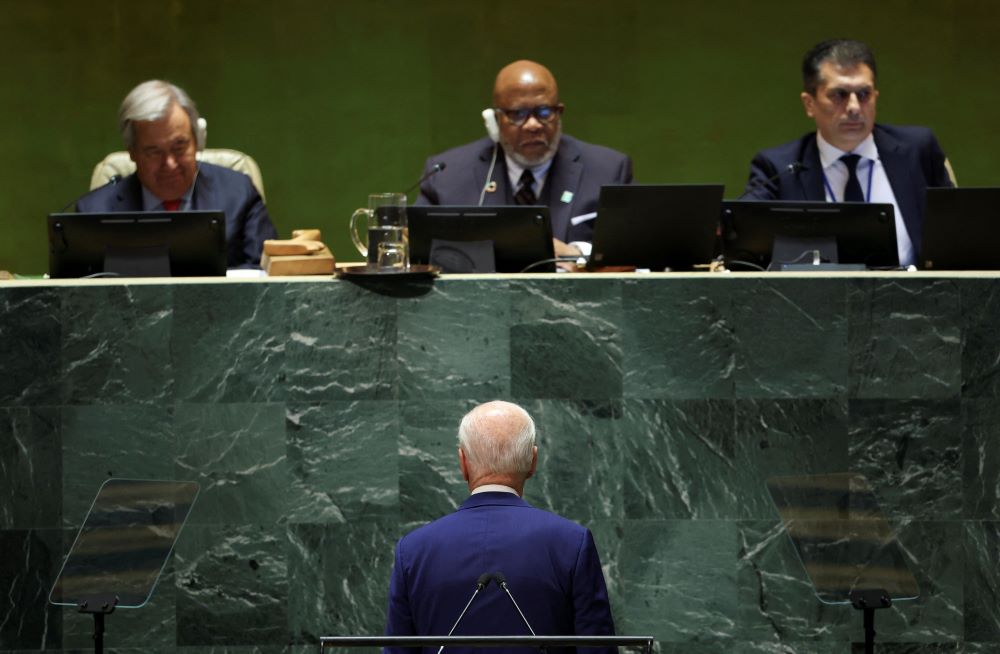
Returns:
<point x="111" y="182"/>
<point x="484" y="579"/>
<point x="435" y="169"/>
<point x="790" y="169"/>
<point x="502" y="583"/>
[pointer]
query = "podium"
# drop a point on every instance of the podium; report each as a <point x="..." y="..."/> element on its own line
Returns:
<point x="643" y="643"/>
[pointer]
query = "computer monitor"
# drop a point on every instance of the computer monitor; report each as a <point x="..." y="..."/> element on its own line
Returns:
<point x="842" y="232"/>
<point x="518" y="237"/>
<point x="659" y="227"/>
<point x="960" y="227"/>
<point x="137" y="244"/>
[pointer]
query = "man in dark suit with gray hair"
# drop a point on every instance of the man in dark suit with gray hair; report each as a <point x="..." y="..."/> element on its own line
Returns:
<point x="162" y="132"/>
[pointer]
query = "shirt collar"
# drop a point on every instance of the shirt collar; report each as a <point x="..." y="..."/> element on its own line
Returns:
<point x="493" y="488"/>
<point x="515" y="170"/>
<point x="831" y="154"/>
<point x="152" y="203"/>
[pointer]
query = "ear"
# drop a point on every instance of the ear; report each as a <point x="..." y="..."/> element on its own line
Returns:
<point x="534" y="463"/>
<point x="809" y="104"/>
<point x="463" y="464"/>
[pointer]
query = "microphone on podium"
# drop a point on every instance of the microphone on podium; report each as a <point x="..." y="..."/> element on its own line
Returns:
<point x="502" y="583"/>
<point x="481" y="583"/>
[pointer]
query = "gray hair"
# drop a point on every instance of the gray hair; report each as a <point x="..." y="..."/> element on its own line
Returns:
<point x="500" y="446"/>
<point x="151" y="100"/>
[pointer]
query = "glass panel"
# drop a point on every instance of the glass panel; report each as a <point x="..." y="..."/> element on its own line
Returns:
<point x="841" y="536"/>
<point x="125" y="541"/>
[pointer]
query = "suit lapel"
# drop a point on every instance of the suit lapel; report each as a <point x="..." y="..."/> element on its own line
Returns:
<point x="482" y="168"/>
<point x="811" y="177"/>
<point x="129" y="194"/>
<point x="203" y="189"/>
<point x="564" y="175"/>
<point x="896" y="164"/>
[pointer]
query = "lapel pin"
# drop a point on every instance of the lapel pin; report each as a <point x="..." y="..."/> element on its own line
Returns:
<point x="491" y="187"/>
<point x="567" y="197"/>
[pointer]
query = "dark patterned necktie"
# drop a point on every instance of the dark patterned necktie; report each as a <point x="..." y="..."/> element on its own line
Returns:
<point x="852" y="192"/>
<point x="525" y="194"/>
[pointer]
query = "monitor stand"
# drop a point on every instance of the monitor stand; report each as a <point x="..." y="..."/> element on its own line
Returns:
<point x="152" y="261"/>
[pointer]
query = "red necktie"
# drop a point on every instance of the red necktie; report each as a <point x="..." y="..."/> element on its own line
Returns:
<point x="171" y="205"/>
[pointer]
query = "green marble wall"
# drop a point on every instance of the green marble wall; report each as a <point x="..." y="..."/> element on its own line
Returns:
<point x="319" y="419"/>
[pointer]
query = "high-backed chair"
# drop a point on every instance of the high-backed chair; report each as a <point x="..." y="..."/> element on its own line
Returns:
<point x="119" y="163"/>
<point x="951" y="172"/>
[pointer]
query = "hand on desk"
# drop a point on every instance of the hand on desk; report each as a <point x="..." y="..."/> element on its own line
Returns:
<point x="566" y="250"/>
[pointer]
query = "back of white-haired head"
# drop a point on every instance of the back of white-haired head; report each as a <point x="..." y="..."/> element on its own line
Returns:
<point x="498" y="437"/>
<point x="151" y="100"/>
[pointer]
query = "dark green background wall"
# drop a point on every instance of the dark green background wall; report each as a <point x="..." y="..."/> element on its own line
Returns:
<point x="339" y="98"/>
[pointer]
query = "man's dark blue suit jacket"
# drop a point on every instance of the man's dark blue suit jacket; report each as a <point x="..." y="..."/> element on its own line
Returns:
<point x="551" y="565"/>
<point x="912" y="158"/>
<point x="578" y="167"/>
<point x="216" y="188"/>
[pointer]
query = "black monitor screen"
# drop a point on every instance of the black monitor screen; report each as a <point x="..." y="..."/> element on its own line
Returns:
<point x="842" y="232"/>
<point x="138" y="244"/>
<point x="517" y="237"/>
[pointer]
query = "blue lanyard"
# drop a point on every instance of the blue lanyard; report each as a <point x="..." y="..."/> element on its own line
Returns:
<point x="868" y="195"/>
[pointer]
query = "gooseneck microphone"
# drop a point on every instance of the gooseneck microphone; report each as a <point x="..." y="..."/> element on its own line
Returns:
<point x="790" y="169"/>
<point x="502" y="583"/>
<point x="481" y="583"/>
<point x="435" y="169"/>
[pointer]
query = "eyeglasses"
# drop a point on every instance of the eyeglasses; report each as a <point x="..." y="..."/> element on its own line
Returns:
<point x="543" y="113"/>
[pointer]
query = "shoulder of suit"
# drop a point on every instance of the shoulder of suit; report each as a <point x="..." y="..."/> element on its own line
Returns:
<point x="790" y="150"/>
<point x="101" y="197"/>
<point x="905" y="133"/>
<point x="215" y="171"/>
<point x="575" y="147"/>
<point x="464" y="152"/>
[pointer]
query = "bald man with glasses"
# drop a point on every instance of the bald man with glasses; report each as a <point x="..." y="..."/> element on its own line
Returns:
<point x="526" y="159"/>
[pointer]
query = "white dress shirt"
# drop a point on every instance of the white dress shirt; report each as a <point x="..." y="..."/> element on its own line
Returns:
<point x="874" y="185"/>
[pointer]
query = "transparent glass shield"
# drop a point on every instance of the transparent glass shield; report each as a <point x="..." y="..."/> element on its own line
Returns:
<point x="841" y="536"/>
<point x="124" y="542"/>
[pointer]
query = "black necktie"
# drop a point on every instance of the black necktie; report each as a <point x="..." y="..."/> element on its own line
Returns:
<point x="852" y="192"/>
<point x="525" y="195"/>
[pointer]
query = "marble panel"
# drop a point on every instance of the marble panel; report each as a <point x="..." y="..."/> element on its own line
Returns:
<point x="679" y="459"/>
<point x="980" y="317"/>
<point x="677" y="339"/>
<point x="580" y="461"/>
<point x="981" y="459"/>
<point x="430" y="481"/>
<point x="343" y="462"/>
<point x="29" y="566"/>
<point x="105" y="441"/>
<point x="904" y="338"/>
<point x="680" y="580"/>
<point x="30" y="468"/>
<point x="565" y="340"/>
<point x="245" y="649"/>
<point x="232" y="585"/>
<point x="340" y="573"/>
<point x="609" y="537"/>
<point x="30" y="337"/>
<point x="455" y="341"/>
<point x="911" y="453"/>
<point x="119" y="349"/>
<point x="786" y="437"/>
<point x="227" y="342"/>
<point x="981" y="577"/>
<point x="237" y="453"/>
<point x="790" y="337"/>
<point x="340" y="343"/>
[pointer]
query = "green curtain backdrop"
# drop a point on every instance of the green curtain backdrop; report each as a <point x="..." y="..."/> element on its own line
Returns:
<point x="339" y="98"/>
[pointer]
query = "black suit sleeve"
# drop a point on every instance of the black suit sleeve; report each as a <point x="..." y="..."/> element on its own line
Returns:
<point x="256" y="227"/>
